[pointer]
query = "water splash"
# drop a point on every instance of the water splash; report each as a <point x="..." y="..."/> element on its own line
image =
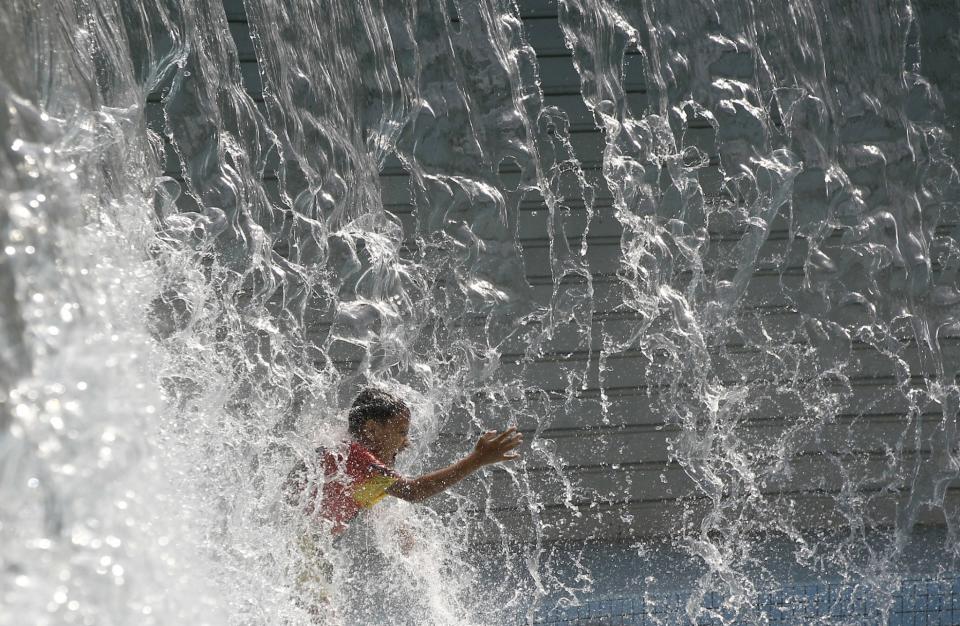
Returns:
<point x="824" y="130"/>
<point x="210" y="241"/>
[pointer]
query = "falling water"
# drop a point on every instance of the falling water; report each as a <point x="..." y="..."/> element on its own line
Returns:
<point x="206" y="252"/>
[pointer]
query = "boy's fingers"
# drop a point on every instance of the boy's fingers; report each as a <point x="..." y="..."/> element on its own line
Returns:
<point x="507" y="432"/>
<point x="510" y="444"/>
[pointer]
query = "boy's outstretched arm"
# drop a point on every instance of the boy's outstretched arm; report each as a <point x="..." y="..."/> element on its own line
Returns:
<point x="491" y="448"/>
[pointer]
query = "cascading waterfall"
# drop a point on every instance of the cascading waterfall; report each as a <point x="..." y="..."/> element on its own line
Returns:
<point x="825" y="129"/>
<point x="202" y="263"/>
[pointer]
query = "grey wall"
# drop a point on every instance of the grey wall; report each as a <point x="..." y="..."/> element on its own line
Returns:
<point x="626" y="459"/>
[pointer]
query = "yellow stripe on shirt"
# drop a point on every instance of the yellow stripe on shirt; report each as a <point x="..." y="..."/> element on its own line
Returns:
<point x="372" y="490"/>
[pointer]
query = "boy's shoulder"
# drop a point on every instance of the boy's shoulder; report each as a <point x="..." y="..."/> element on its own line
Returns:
<point x="361" y="461"/>
<point x="350" y="460"/>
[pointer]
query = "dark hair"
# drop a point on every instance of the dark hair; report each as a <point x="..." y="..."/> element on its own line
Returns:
<point x="374" y="404"/>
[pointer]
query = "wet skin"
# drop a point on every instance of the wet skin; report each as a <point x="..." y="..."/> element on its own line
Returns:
<point x="387" y="439"/>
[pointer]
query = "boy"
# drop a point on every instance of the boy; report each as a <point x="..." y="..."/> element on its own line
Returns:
<point x="362" y="474"/>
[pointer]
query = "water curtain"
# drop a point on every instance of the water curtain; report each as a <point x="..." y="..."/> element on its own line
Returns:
<point x="220" y="221"/>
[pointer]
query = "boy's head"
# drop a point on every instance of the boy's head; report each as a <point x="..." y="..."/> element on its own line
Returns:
<point x="381" y="420"/>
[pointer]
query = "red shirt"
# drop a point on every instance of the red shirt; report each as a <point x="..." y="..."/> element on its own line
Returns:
<point x="351" y="482"/>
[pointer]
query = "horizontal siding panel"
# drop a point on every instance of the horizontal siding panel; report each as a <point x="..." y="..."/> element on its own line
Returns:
<point x="588" y="147"/>
<point x="395" y="188"/>
<point x="235" y="10"/>
<point x="558" y="76"/>
<point x="773" y="319"/>
<point x="537" y="8"/>
<point x="638" y="408"/>
<point x="629" y="369"/>
<point x="541" y="28"/>
<point x="654" y="482"/>
<point x="528" y="9"/>
<point x="588" y="447"/>
<point x="563" y="78"/>
<point x="646" y="519"/>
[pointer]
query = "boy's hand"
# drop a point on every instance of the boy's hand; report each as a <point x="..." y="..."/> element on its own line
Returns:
<point x="493" y="447"/>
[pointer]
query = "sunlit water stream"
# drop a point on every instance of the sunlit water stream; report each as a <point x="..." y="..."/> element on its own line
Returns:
<point x="201" y="264"/>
